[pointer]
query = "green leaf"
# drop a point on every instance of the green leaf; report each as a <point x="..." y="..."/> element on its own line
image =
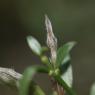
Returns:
<point x="36" y="90"/>
<point x="92" y="92"/>
<point x="63" y="53"/>
<point x="64" y="85"/>
<point x="28" y="77"/>
<point x="67" y="76"/>
<point x="66" y="59"/>
<point x="34" y="45"/>
<point x="66" y="71"/>
<point x="63" y="60"/>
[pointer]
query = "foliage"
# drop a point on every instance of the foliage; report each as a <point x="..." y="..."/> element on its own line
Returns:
<point x="58" y="66"/>
<point x="27" y="80"/>
<point x="63" y="57"/>
<point x="92" y="92"/>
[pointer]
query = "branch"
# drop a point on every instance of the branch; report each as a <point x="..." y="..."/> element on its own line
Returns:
<point x="9" y="77"/>
<point x="51" y="40"/>
<point x="52" y="44"/>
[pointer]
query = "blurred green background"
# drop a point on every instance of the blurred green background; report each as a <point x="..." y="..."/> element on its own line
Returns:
<point x="71" y="20"/>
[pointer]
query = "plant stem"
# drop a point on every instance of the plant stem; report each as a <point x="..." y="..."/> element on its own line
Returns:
<point x="60" y="90"/>
<point x="52" y="44"/>
<point x="63" y="84"/>
<point x="57" y="87"/>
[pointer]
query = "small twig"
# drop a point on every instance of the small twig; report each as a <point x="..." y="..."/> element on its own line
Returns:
<point x="52" y="44"/>
<point x="60" y="90"/>
<point x="51" y="40"/>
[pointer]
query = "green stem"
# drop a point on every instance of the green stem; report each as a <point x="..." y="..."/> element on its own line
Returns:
<point x="64" y="85"/>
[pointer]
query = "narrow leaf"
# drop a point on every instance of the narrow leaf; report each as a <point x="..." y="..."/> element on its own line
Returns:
<point x="28" y="77"/>
<point x="35" y="89"/>
<point x="67" y="76"/>
<point x="34" y="45"/>
<point x="64" y="85"/>
<point x="66" y="59"/>
<point x="92" y="92"/>
<point x="63" y="52"/>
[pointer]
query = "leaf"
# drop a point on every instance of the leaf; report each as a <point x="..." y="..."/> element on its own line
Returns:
<point x="63" y="53"/>
<point x="63" y="60"/>
<point x="26" y="80"/>
<point x="28" y="77"/>
<point x="66" y="64"/>
<point x="92" y="92"/>
<point x="34" y="45"/>
<point x="64" y="85"/>
<point x="66" y="59"/>
<point x="67" y="76"/>
<point x="66" y="72"/>
<point x="36" y="90"/>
